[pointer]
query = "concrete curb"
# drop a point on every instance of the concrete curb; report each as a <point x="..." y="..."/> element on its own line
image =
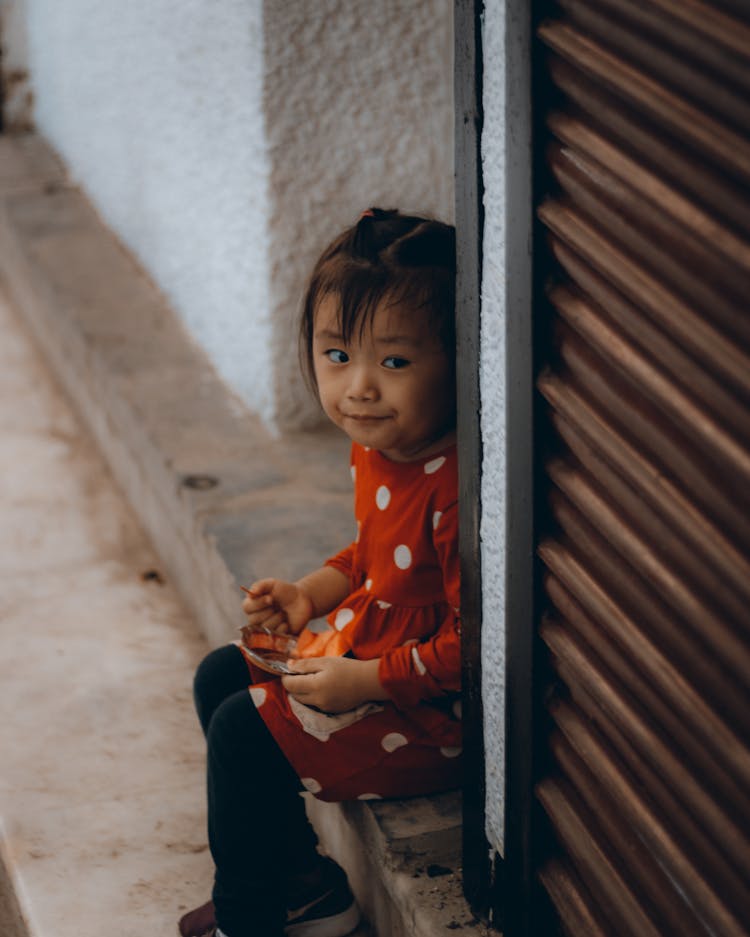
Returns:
<point x="221" y="499"/>
<point x="14" y="921"/>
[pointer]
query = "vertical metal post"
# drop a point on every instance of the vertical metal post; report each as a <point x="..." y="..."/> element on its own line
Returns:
<point x="521" y="684"/>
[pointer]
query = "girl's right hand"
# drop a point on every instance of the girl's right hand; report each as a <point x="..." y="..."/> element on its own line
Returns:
<point x="277" y="606"/>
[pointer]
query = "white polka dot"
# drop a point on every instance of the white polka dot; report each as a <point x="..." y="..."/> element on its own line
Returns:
<point x="383" y="605"/>
<point x="457" y="709"/>
<point x="383" y="497"/>
<point x="312" y="785"/>
<point x="258" y="696"/>
<point x="393" y="740"/>
<point x="343" y="617"/>
<point x="434" y="465"/>
<point x="354" y="473"/>
<point x="367" y="448"/>
<point x="368" y="585"/>
<point x="359" y="531"/>
<point x="421" y="669"/>
<point x="436" y="519"/>
<point x="450" y="752"/>
<point x="318" y="626"/>
<point x="402" y="556"/>
<point x="410" y="641"/>
<point x="370" y="797"/>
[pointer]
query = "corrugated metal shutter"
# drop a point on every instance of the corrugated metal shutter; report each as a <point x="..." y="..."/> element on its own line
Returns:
<point x="647" y="559"/>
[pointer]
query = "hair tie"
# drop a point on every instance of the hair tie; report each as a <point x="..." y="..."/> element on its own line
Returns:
<point x="367" y="213"/>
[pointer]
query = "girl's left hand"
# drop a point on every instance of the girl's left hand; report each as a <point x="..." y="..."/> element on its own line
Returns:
<point x="334" y="684"/>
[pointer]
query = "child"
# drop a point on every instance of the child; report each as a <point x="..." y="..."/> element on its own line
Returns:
<point x="371" y="708"/>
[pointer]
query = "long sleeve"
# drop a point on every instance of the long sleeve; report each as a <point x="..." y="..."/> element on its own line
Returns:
<point x="343" y="562"/>
<point x="432" y="667"/>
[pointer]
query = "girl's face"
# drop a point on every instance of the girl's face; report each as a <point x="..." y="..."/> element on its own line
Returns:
<point x="393" y="389"/>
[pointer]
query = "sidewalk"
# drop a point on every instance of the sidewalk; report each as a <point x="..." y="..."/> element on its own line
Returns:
<point x="101" y="787"/>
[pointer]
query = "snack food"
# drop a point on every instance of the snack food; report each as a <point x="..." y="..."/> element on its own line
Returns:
<point x="268" y="650"/>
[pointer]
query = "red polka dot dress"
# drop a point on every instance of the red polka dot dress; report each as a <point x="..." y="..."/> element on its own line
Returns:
<point x="403" y="608"/>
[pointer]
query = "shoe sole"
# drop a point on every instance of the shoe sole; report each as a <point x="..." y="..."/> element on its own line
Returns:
<point x="333" y="925"/>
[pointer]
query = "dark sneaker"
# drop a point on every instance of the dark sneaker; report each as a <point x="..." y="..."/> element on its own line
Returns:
<point x="330" y="911"/>
<point x="200" y="922"/>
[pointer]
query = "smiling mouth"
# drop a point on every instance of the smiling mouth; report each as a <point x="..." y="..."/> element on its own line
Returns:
<point x="364" y="418"/>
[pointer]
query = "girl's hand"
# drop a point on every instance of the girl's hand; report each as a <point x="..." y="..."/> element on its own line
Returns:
<point x="277" y="606"/>
<point x="334" y="684"/>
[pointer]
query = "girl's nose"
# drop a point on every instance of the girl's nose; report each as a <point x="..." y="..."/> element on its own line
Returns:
<point x="361" y="385"/>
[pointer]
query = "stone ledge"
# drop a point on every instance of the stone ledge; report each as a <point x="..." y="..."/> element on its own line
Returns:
<point x="186" y="454"/>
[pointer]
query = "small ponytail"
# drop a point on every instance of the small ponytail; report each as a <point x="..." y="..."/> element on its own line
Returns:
<point x="430" y="245"/>
<point x="376" y="230"/>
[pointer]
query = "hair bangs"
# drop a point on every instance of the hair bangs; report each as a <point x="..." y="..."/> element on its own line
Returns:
<point x="402" y="260"/>
<point x="360" y="290"/>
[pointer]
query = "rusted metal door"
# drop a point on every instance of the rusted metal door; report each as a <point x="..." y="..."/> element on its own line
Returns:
<point x="644" y="784"/>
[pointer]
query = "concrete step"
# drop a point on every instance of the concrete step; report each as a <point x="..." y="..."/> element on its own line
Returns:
<point x="221" y="499"/>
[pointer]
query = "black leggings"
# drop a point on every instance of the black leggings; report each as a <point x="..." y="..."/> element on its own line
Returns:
<point x="258" y="830"/>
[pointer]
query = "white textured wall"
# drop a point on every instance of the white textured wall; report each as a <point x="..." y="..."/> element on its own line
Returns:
<point x="505" y="352"/>
<point x="360" y="112"/>
<point x="157" y="108"/>
<point x="227" y="142"/>
<point x="492" y="386"/>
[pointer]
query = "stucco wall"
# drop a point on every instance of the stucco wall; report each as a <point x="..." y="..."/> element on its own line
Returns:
<point x="492" y="384"/>
<point x="156" y="107"/>
<point x="226" y="142"/>
<point x="505" y="352"/>
<point x="360" y="113"/>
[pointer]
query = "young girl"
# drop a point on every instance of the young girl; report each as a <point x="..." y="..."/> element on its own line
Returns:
<point x="371" y="707"/>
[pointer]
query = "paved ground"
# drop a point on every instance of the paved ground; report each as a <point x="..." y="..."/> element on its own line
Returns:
<point x="101" y="774"/>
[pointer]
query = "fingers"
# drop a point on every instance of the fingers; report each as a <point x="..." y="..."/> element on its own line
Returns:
<point x="260" y="606"/>
<point x="256" y="602"/>
<point x="261" y="609"/>
<point x="263" y="586"/>
<point x="306" y="665"/>
<point x="269" y="620"/>
<point x="304" y="684"/>
<point x="265" y="593"/>
<point x="300" y="686"/>
<point x="258" y="614"/>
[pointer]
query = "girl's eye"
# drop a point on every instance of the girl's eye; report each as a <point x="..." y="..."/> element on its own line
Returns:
<point x="394" y="362"/>
<point x="337" y="355"/>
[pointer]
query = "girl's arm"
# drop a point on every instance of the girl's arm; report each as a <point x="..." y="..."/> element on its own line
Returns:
<point x="431" y="667"/>
<point x="277" y="605"/>
<point x="326" y="588"/>
<point x="405" y="675"/>
<point x="334" y="684"/>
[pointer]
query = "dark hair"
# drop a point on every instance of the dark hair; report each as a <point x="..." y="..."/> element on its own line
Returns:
<point x="407" y="259"/>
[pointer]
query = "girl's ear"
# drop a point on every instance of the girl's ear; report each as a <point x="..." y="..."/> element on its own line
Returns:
<point x="430" y="245"/>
